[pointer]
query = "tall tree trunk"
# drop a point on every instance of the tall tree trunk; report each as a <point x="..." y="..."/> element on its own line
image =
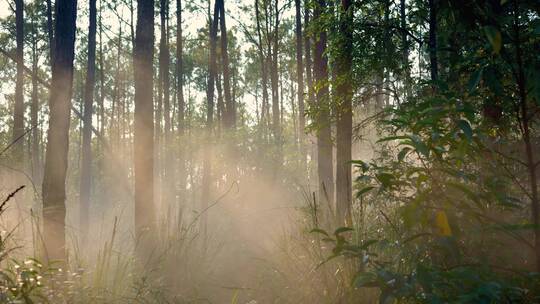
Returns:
<point x="274" y="79"/>
<point x="180" y="68"/>
<point x="344" y="115"/>
<point x="264" y="67"/>
<point x="180" y="97"/>
<point x="164" y="60"/>
<point x="101" y="75"/>
<point x="433" y="40"/>
<point x="143" y="54"/>
<point x="18" y="111"/>
<point x="324" y="133"/>
<point x="50" y="31"/>
<point x="309" y="78"/>
<point x="34" y="109"/>
<point x="56" y="158"/>
<point x="207" y="165"/>
<point x="86" y="166"/>
<point x="404" y="42"/>
<point x="300" y="79"/>
<point x="221" y="116"/>
<point x="307" y="48"/>
<point x="230" y="116"/>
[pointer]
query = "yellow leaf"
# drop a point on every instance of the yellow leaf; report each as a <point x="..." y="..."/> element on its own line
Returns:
<point x="441" y="221"/>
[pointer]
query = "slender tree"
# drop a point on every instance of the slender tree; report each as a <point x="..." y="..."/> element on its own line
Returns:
<point x="274" y="79"/>
<point x="432" y="43"/>
<point x="18" y="112"/>
<point x="181" y="104"/>
<point x="164" y="67"/>
<point x="344" y="114"/>
<point x="143" y="55"/>
<point x="180" y="68"/>
<point x="86" y="166"/>
<point x="50" y="30"/>
<point x="56" y="158"/>
<point x="300" y="78"/>
<point x="230" y="116"/>
<point x="34" y="108"/>
<point x="212" y="73"/>
<point x="264" y="68"/>
<point x="324" y="133"/>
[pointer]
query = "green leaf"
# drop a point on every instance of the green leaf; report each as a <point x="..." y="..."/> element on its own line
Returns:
<point x="342" y="230"/>
<point x="317" y="230"/>
<point x="365" y="279"/>
<point x="403" y="153"/>
<point x="419" y="145"/>
<point x="361" y="164"/>
<point x="494" y="37"/>
<point x="385" y="179"/>
<point x="365" y="190"/>
<point x="390" y="138"/>
<point x="475" y="80"/>
<point x="368" y="243"/>
<point x="466" y="128"/>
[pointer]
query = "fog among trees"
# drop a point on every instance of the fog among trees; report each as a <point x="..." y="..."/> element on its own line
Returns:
<point x="269" y="151"/>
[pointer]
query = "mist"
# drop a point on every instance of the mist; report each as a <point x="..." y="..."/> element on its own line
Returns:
<point x="261" y="151"/>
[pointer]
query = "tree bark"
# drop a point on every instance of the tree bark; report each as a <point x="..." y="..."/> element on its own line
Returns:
<point x="180" y="68"/>
<point x="230" y="115"/>
<point x="207" y="161"/>
<point x="34" y="109"/>
<point x="180" y="99"/>
<point x="324" y="133"/>
<point x="300" y="80"/>
<point x="50" y="30"/>
<point x="264" y="68"/>
<point x="143" y="54"/>
<point x="167" y="165"/>
<point x="18" y="111"/>
<point x="433" y="39"/>
<point x="274" y="79"/>
<point x="56" y="158"/>
<point x="86" y="166"/>
<point x="344" y="115"/>
<point x="101" y="76"/>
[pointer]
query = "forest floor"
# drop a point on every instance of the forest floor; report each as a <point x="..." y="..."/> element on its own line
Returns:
<point x="254" y="221"/>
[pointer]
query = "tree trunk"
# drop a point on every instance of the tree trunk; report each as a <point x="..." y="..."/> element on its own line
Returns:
<point x="300" y="79"/>
<point x="18" y="111"/>
<point x="207" y="161"/>
<point x="230" y="115"/>
<point x="274" y="79"/>
<point x="264" y="68"/>
<point x="86" y="167"/>
<point x="180" y="68"/>
<point x="180" y="97"/>
<point x="324" y="133"/>
<point x="344" y="115"/>
<point x="167" y="164"/>
<point x="309" y="79"/>
<point x="143" y="54"/>
<point x="307" y="48"/>
<point x="404" y="43"/>
<point x="56" y="158"/>
<point x="50" y="31"/>
<point x="34" y="109"/>
<point x="433" y="40"/>
<point x="101" y="76"/>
